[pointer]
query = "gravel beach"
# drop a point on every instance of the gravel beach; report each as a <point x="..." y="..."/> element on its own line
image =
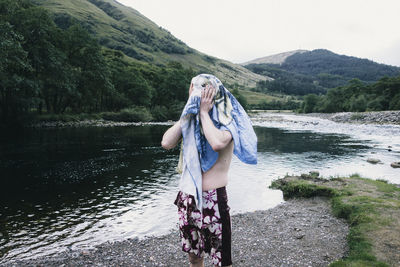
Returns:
<point x="375" y="117"/>
<point x="299" y="232"/>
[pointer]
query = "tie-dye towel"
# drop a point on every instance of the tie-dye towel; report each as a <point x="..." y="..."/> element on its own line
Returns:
<point x="197" y="154"/>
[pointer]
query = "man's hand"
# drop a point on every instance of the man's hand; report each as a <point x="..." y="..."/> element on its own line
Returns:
<point x="207" y="99"/>
<point x="216" y="138"/>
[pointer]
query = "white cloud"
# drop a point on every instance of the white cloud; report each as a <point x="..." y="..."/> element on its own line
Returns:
<point x="239" y="30"/>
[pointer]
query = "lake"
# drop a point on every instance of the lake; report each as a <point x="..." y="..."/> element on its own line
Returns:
<point x="73" y="188"/>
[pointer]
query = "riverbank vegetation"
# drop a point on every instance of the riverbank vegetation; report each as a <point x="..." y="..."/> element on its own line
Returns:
<point x="356" y="96"/>
<point x="371" y="207"/>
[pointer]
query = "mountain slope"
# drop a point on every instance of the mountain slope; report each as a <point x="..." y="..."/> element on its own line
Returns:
<point x="324" y="61"/>
<point x="273" y="59"/>
<point x="123" y="28"/>
<point x="315" y="71"/>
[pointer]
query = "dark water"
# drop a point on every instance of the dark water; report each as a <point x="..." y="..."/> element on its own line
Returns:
<point x="73" y="188"/>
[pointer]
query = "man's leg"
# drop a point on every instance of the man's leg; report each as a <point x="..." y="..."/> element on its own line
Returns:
<point x="196" y="261"/>
<point x="226" y="257"/>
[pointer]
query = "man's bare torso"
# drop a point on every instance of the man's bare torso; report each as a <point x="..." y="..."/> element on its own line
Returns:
<point x="217" y="176"/>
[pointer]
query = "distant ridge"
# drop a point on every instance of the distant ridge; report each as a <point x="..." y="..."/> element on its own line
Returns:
<point x="273" y="59"/>
<point x="302" y="72"/>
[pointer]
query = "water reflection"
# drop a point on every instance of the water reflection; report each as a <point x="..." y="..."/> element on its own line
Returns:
<point x="283" y="141"/>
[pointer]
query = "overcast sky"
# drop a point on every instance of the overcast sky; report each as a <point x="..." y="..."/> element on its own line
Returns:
<point x="242" y="30"/>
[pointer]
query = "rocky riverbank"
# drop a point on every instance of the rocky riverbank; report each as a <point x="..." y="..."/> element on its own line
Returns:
<point x="377" y="117"/>
<point x="92" y="123"/>
<point x="372" y="208"/>
<point x="299" y="232"/>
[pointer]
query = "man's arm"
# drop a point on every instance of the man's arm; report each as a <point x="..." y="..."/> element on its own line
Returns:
<point x="172" y="136"/>
<point x="216" y="138"/>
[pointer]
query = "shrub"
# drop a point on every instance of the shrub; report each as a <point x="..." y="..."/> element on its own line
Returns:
<point x="395" y="103"/>
<point x="160" y="113"/>
<point x="310" y="101"/>
<point x="358" y="104"/>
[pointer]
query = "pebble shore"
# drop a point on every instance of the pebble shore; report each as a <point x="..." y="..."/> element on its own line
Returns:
<point x="376" y="117"/>
<point x="96" y="123"/>
<point x="299" y="232"/>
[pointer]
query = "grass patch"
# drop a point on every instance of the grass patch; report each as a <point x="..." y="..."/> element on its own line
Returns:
<point x="371" y="207"/>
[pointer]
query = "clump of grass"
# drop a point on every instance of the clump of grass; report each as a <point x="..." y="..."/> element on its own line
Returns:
<point x="371" y="207"/>
<point x="303" y="189"/>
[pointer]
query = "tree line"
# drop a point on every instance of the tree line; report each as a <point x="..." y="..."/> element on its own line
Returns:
<point x="357" y="96"/>
<point x="45" y="69"/>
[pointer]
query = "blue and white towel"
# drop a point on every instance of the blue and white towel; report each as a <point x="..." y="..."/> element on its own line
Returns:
<point x="196" y="153"/>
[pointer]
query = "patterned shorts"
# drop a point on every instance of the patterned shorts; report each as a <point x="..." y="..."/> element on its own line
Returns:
<point x="208" y="233"/>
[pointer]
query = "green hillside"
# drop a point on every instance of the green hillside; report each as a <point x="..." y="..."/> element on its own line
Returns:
<point x="71" y="60"/>
<point x="122" y="28"/>
<point x="318" y="70"/>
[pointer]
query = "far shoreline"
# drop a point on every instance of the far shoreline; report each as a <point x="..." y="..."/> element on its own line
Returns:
<point x="368" y="117"/>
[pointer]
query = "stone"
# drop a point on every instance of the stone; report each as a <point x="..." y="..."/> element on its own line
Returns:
<point x="395" y="164"/>
<point x="300" y="236"/>
<point x="373" y="161"/>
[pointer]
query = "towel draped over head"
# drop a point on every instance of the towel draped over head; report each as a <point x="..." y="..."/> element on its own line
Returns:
<point x="197" y="156"/>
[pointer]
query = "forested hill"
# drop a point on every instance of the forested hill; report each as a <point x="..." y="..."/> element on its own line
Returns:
<point x="318" y="70"/>
<point x="123" y="28"/>
<point x="321" y="61"/>
<point x="73" y="60"/>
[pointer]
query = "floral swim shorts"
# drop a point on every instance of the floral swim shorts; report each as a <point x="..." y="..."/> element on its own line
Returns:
<point x="209" y="232"/>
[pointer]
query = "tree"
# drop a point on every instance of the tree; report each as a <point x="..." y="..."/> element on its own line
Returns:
<point x="43" y="43"/>
<point x="242" y="100"/>
<point x="91" y="71"/>
<point x="173" y="86"/>
<point x="310" y="101"/>
<point x="16" y="89"/>
<point x="358" y="104"/>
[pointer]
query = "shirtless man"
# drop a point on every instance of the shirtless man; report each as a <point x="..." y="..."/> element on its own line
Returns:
<point x="215" y="178"/>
